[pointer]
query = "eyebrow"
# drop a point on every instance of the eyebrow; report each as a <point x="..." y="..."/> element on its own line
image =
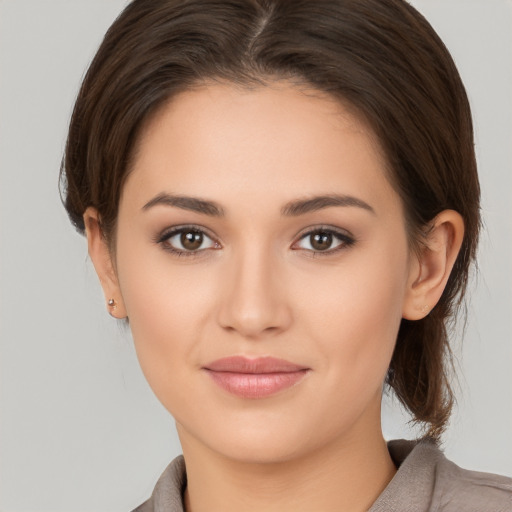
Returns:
<point x="193" y="204"/>
<point x="291" y="209"/>
<point x="302" y="206"/>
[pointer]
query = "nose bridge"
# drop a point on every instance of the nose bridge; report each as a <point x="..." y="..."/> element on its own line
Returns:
<point x="253" y="300"/>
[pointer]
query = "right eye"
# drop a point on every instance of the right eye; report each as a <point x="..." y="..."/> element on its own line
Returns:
<point x="187" y="241"/>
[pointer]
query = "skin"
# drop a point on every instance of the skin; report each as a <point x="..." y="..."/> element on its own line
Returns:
<point x="257" y="287"/>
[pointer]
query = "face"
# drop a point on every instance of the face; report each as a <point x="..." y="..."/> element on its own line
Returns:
<point x="263" y="263"/>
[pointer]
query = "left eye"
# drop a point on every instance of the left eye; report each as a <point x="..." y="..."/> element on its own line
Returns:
<point x="188" y="240"/>
<point x="324" y="240"/>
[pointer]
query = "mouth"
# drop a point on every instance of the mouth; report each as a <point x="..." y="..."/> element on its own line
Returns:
<point x="254" y="378"/>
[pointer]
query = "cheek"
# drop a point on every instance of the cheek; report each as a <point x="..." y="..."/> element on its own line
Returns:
<point x="168" y="306"/>
<point x="354" y="313"/>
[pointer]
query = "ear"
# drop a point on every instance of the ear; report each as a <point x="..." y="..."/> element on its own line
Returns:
<point x="430" y="270"/>
<point x="101" y="257"/>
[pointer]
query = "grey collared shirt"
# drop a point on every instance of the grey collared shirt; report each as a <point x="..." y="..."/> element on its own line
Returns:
<point x="426" y="481"/>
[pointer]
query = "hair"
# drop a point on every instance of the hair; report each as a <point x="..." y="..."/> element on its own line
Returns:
<point x="381" y="57"/>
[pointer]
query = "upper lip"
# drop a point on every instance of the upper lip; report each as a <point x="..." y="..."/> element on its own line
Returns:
<point x="242" y="364"/>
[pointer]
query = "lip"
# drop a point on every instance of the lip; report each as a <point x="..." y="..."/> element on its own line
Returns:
<point x="254" y="378"/>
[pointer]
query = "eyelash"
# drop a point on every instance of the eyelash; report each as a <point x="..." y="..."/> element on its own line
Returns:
<point x="344" y="238"/>
<point x="163" y="240"/>
<point x="345" y="241"/>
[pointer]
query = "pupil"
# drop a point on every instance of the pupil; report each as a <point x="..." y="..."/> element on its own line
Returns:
<point x="191" y="240"/>
<point x="321" y="241"/>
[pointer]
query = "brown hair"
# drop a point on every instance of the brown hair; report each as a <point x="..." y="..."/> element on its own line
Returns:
<point x="380" y="56"/>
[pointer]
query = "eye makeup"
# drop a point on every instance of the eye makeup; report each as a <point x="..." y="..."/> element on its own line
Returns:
<point x="194" y="240"/>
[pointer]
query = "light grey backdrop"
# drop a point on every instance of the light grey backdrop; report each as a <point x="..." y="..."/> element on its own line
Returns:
<point x="79" y="428"/>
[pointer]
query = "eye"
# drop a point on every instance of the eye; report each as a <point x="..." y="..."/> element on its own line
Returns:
<point x="187" y="241"/>
<point x="323" y="240"/>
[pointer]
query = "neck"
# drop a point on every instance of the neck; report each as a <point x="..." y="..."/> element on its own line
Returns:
<point x="348" y="474"/>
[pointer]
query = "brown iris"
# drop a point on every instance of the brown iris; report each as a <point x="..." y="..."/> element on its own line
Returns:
<point x="191" y="240"/>
<point x="321" y="241"/>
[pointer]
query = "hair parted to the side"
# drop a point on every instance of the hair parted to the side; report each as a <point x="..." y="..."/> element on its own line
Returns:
<point x="379" y="56"/>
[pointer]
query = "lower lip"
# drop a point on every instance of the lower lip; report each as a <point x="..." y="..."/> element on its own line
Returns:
<point x="256" y="385"/>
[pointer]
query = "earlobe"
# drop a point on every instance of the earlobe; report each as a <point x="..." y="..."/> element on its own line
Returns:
<point x="101" y="257"/>
<point x="430" y="272"/>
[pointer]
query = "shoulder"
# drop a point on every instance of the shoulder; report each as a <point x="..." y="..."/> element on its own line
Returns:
<point x="461" y="489"/>
<point x="167" y="495"/>
<point x="427" y="481"/>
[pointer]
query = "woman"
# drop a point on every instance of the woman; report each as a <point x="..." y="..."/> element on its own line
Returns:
<point x="282" y="199"/>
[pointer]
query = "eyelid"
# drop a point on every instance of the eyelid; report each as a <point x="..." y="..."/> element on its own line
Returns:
<point x="168" y="233"/>
<point x="344" y="236"/>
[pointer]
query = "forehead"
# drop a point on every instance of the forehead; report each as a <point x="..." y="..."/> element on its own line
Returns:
<point x="280" y="108"/>
<point x="281" y="138"/>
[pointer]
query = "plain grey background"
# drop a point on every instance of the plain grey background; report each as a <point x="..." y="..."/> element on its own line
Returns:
<point x="79" y="428"/>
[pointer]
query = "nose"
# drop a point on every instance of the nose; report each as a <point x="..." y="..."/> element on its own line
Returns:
<point x="253" y="297"/>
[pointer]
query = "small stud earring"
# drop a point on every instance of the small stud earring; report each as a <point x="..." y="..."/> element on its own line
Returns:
<point x="425" y="309"/>
<point x="112" y="303"/>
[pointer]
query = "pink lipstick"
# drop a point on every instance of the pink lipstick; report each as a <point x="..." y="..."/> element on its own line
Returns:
<point x="254" y="378"/>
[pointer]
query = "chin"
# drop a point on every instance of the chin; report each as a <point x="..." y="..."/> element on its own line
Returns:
<point x="263" y="450"/>
<point x="257" y="439"/>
